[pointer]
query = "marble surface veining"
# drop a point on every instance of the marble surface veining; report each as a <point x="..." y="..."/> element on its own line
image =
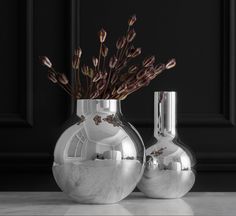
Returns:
<point x="56" y="203"/>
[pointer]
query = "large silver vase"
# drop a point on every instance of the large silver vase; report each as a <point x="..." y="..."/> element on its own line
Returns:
<point x="100" y="157"/>
<point x="169" y="164"/>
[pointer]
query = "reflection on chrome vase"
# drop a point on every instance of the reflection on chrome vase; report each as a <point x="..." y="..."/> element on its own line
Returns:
<point x="169" y="166"/>
<point x="100" y="157"/>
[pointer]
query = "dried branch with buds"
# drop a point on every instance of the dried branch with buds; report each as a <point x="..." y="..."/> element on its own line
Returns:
<point x="115" y="78"/>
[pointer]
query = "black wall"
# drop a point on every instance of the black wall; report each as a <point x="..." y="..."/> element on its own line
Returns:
<point x="200" y="34"/>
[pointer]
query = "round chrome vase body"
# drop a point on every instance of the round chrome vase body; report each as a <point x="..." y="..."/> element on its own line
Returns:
<point x="100" y="158"/>
<point x="169" y="165"/>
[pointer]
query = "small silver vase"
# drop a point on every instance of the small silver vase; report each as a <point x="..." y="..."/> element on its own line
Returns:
<point x="169" y="166"/>
<point x="100" y="157"/>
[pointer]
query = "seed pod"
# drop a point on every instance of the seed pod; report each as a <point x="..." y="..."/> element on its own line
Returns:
<point x="78" y="95"/>
<point x="45" y="61"/>
<point x="159" y="68"/>
<point x="90" y="73"/>
<point x="94" y="94"/>
<point x="101" y="84"/>
<point x="123" y="96"/>
<point x="170" y="64"/>
<point x="102" y="35"/>
<point x="85" y="70"/>
<point x="52" y="73"/>
<point x="149" y="61"/>
<point x="104" y="75"/>
<point x="121" y="65"/>
<point x="140" y="74"/>
<point x="136" y="53"/>
<point x="132" y="69"/>
<point x="114" y="78"/>
<point x="149" y="70"/>
<point x="104" y="51"/>
<point x="62" y="79"/>
<point x="143" y="82"/>
<point x="113" y="92"/>
<point x="132" y="20"/>
<point x="95" y="62"/>
<point x="106" y="96"/>
<point x="147" y="82"/>
<point x="78" y="52"/>
<point x="152" y="76"/>
<point x="131" y="79"/>
<point x="133" y="52"/>
<point x="75" y="62"/>
<point x="131" y="87"/>
<point x="129" y="51"/>
<point x="120" y="43"/>
<point x="97" y="77"/>
<point x="122" y="88"/>
<point x="52" y="77"/>
<point x="131" y="35"/>
<point x="112" y="62"/>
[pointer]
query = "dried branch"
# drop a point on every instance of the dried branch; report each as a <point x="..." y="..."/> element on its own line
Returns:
<point x="115" y="79"/>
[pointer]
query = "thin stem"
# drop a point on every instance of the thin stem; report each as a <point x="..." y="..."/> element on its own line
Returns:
<point x="103" y="66"/>
<point x="78" y="86"/>
<point x="123" y="50"/>
<point x="66" y="89"/>
<point x="99" y="56"/>
<point x="75" y="81"/>
<point x="127" y="60"/>
<point x="90" y="86"/>
<point x="91" y="81"/>
<point x="116" y="71"/>
<point x="108" y="81"/>
<point x="87" y="87"/>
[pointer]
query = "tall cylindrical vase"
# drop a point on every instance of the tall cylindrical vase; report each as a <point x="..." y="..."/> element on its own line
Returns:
<point x="100" y="157"/>
<point x="169" y="164"/>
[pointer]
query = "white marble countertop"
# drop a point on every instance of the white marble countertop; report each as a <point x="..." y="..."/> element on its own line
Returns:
<point x="56" y="203"/>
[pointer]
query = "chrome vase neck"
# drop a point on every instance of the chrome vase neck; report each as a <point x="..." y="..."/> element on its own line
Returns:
<point x="90" y="106"/>
<point x="165" y="114"/>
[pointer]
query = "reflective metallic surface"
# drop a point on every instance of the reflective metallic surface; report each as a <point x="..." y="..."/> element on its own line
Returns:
<point x="100" y="157"/>
<point x="169" y="164"/>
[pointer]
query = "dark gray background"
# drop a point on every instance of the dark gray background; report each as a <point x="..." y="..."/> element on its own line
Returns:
<point x="198" y="33"/>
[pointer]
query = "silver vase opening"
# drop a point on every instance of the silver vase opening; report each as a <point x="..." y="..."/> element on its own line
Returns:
<point x="169" y="170"/>
<point x="100" y="157"/>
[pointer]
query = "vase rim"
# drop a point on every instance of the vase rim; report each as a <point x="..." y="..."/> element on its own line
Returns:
<point x="85" y="106"/>
<point x="165" y="91"/>
<point x="165" y="114"/>
<point x="99" y="99"/>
